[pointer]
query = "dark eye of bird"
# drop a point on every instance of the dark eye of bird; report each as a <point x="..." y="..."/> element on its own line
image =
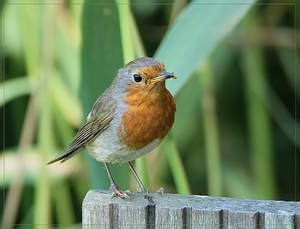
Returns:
<point x="137" y="78"/>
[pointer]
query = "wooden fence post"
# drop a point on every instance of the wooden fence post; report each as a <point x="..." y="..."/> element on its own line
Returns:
<point x="99" y="210"/>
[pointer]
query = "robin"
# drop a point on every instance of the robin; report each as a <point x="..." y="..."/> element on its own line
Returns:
<point x="128" y="120"/>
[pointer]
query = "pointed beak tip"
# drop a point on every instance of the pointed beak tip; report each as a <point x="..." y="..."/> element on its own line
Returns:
<point x="164" y="76"/>
<point x="169" y="75"/>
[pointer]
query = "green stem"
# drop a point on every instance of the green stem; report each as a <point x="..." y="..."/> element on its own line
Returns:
<point x="124" y="17"/>
<point x="210" y="125"/>
<point x="259" y="123"/>
<point x="176" y="165"/>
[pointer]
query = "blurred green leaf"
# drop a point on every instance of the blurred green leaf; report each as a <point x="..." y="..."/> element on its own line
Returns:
<point x="64" y="203"/>
<point x="176" y="165"/>
<point x="64" y="100"/>
<point x="14" y="88"/>
<point x="259" y="126"/>
<point x="195" y="34"/>
<point x="211" y="129"/>
<point x="31" y="37"/>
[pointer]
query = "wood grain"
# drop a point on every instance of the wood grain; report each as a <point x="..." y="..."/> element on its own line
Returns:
<point x="100" y="210"/>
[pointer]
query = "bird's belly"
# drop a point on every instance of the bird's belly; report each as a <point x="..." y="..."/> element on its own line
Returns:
<point x="106" y="148"/>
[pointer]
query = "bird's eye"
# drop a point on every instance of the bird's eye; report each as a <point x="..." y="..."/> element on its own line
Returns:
<point x="137" y="78"/>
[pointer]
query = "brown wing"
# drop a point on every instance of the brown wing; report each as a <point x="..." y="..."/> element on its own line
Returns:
<point x="101" y="115"/>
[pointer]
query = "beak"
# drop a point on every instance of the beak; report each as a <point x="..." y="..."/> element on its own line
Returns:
<point x="164" y="76"/>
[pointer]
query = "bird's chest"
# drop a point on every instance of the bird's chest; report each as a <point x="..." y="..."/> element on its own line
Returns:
<point x="146" y="122"/>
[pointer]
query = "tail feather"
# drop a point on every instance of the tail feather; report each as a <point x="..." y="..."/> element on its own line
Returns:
<point x="66" y="155"/>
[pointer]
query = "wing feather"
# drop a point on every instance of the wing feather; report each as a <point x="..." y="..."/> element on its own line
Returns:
<point x="101" y="115"/>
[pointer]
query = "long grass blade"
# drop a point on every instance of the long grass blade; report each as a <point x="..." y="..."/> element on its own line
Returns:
<point x="259" y="125"/>
<point x="176" y="165"/>
<point x="210" y="124"/>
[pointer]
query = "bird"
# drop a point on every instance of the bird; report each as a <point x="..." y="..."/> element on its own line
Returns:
<point x="128" y="120"/>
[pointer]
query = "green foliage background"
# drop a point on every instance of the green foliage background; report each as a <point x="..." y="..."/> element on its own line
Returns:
<point x="236" y="132"/>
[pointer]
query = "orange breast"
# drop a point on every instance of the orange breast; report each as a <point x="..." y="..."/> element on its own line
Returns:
<point x="150" y="116"/>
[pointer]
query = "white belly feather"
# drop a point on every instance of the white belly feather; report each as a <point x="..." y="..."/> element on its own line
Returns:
<point x="107" y="148"/>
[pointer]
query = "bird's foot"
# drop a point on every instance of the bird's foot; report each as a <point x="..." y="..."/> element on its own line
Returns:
<point x="160" y="191"/>
<point x="117" y="192"/>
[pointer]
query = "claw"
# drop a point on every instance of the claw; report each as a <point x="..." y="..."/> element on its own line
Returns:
<point x="117" y="192"/>
<point x="122" y="194"/>
<point x="160" y="191"/>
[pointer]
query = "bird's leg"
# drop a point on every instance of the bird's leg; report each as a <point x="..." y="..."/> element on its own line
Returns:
<point x="138" y="180"/>
<point x="114" y="187"/>
<point x="140" y="184"/>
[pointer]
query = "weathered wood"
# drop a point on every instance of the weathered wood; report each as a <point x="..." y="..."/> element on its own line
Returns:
<point x="186" y="211"/>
